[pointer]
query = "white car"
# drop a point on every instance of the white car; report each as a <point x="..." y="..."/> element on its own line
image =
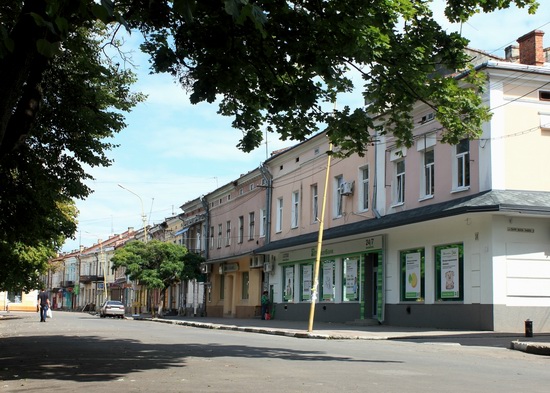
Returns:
<point x="112" y="308"/>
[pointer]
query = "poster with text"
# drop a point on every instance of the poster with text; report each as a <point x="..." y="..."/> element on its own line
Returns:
<point x="289" y="283"/>
<point x="412" y="275"/>
<point x="351" y="279"/>
<point x="306" y="282"/>
<point x="449" y="273"/>
<point x="328" y="280"/>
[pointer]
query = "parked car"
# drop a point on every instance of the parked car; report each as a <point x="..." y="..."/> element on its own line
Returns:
<point x="112" y="308"/>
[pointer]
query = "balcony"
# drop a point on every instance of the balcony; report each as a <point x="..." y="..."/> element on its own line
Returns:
<point x="90" y="278"/>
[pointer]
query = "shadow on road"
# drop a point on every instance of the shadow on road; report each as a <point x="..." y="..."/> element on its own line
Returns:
<point x="89" y="358"/>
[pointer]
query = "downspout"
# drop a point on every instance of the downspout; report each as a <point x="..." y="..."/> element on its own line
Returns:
<point x="375" y="182"/>
<point x="268" y="177"/>
<point x="206" y="246"/>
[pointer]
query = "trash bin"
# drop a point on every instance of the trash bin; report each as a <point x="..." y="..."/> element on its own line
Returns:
<point x="528" y="328"/>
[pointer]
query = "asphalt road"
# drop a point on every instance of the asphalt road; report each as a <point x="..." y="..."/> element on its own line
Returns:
<point x="81" y="352"/>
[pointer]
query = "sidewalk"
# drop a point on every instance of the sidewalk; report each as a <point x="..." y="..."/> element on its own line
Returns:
<point x="539" y="344"/>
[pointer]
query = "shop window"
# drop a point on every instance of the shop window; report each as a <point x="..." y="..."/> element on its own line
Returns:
<point x="306" y="282"/>
<point x="15" y="297"/>
<point x="449" y="272"/>
<point x="328" y="289"/>
<point x="351" y="286"/>
<point x="412" y="274"/>
<point x="288" y="284"/>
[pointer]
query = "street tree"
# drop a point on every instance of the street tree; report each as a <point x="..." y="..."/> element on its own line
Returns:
<point x="79" y="99"/>
<point x="156" y="265"/>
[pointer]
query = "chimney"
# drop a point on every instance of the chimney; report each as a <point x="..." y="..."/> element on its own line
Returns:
<point x="531" y="51"/>
<point x="511" y="53"/>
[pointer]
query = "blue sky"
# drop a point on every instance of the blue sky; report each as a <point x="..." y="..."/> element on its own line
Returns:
<point x="172" y="151"/>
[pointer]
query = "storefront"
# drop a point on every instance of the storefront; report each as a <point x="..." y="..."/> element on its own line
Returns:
<point x="350" y="281"/>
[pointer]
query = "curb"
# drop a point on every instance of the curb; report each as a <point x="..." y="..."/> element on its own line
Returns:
<point x="533" y="348"/>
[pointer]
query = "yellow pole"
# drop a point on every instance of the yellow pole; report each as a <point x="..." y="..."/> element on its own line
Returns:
<point x="314" y="288"/>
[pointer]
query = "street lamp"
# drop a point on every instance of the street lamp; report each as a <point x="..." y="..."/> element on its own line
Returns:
<point x="143" y="216"/>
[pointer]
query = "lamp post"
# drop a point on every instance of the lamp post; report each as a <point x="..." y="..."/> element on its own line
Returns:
<point x="143" y="216"/>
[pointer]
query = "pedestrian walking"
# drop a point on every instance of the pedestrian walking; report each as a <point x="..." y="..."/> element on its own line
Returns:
<point x="43" y="304"/>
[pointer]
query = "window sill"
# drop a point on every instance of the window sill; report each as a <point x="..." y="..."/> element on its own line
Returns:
<point x="460" y="189"/>
<point x="426" y="197"/>
<point x="400" y="204"/>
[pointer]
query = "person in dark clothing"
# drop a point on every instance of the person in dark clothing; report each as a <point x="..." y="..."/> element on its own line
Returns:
<point x="265" y="304"/>
<point x="43" y="303"/>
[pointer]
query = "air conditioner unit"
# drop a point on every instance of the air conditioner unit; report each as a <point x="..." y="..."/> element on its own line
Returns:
<point x="256" y="261"/>
<point x="346" y="188"/>
<point x="205" y="269"/>
<point x="267" y="267"/>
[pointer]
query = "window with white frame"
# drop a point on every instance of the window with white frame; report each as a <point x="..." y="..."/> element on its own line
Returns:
<point x="211" y="238"/>
<point x="399" y="192"/>
<point x="338" y="197"/>
<point x="241" y="229"/>
<point x="295" y="211"/>
<point x="263" y="222"/>
<point x="219" y="235"/>
<point x="462" y="162"/>
<point x="251" y="226"/>
<point x="428" y="179"/>
<point x="364" y="188"/>
<point x="228" y="233"/>
<point x="314" y="203"/>
<point x="279" y="221"/>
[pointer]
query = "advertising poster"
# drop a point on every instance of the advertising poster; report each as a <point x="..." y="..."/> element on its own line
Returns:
<point x="449" y="273"/>
<point x="289" y="283"/>
<point x="306" y="282"/>
<point x="412" y="276"/>
<point x="328" y="280"/>
<point x="351" y="279"/>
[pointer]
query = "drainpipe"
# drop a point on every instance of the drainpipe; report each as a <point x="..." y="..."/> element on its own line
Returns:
<point x="206" y="246"/>
<point x="268" y="177"/>
<point x="375" y="183"/>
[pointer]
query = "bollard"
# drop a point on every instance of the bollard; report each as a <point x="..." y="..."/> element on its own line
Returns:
<point x="528" y="328"/>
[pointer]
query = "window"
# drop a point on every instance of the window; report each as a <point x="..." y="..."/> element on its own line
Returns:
<point x="449" y="272"/>
<point x="463" y="164"/>
<point x="288" y="284"/>
<point x="228" y="233"/>
<point x="314" y="203"/>
<point x="306" y="283"/>
<point x="295" y="209"/>
<point x="338" y="199"/>
<point x="251" y="186"/>
<point x="241" y="229"/>
<point x="251" y="226"/>
<point x="351" y="285"/>
<point x="364" y="188"/>
<point x="211" y="238"/>
<point x="428" y="174"/>
<point x="241" y="191"/>
<point x="327" y="279"/>
<point x="544" y="95"/>
<point x="219" y="235"/>
<point x="279" y="222"/>
<point x="412" y="275"/>
<point x="399" y="197"/>
<point x="15" y="296"/>
<point x="263" y="222"/>
<point x="245" y="285"/>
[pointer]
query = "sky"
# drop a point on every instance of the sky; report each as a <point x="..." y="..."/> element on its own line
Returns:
<point x="172" y="152"/>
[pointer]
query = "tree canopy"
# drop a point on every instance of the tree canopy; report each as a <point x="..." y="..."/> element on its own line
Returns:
<point x="272" y="64"/>
<point x="82" y="96"/>
<point x="156" y="264"/>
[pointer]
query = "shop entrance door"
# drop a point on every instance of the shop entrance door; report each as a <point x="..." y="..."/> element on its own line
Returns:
<point x="370" y="291"/>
